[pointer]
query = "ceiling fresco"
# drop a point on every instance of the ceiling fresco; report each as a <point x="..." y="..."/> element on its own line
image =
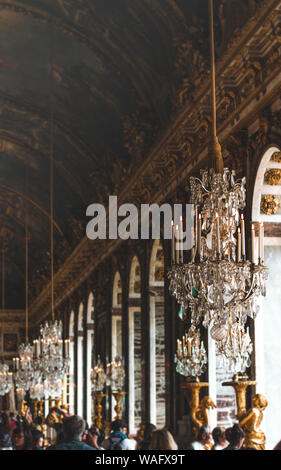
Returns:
<point x="117" y="71"/>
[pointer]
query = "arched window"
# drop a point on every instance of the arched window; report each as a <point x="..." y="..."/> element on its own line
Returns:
<point x="157" y="337"/>
<point x="266" y="209"/>
<point x="80" y="407"/>
<point x="71" y="365"/>
<point x="116" y="324"/>
<point x="135" y="378"/>
<point x="116" y="347"/>
<point x="90" y="346"/>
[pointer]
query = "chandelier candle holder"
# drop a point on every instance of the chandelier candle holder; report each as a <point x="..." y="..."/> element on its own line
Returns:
<point x="6" y="379"/>
<point x="98" y="380"/>
<point x="25" y="374"/>
<point x="191" y="356"/>
<point x="234" y="351"/>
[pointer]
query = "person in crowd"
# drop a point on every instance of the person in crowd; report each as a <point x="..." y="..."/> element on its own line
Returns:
<point x="21" y="437"/>
<point x="73" y="429"/>
<point x="204" y="439"/>
<point x="37" y="440"/>
<point x="219" y="439"/>
<point x="162" y="439"/>
<point x="147" y="435"/>
<point x="118" y="440"/>
<point x="228" y="433"/>
<point x="95" y="437"/>
<point x="236" y="438"/>
<point x="6" y="429"/>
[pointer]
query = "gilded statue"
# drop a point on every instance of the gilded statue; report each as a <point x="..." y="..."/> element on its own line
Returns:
<point x="250" y="423"/>
<point x="200" y="414"/>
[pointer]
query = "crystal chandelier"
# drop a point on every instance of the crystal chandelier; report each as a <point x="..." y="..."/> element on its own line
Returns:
<point x="6" y="379"/>
<point x="24" y="375"/>
<point x="218" y="284"/>
<point x="53" y="357"/>
<point x="115" y="375"/>
<point x="235" y="349"/>
<point x="98" y="377"/>
<point x="191" y="356"/>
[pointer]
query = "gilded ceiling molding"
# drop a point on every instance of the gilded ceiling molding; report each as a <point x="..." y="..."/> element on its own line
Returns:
<point x="184" y="145"/>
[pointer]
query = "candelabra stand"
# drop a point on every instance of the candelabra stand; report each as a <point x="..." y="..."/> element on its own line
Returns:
<point x="99" y="396"/>
<point x="118" y="407"/>
<point x="240" y="386"/>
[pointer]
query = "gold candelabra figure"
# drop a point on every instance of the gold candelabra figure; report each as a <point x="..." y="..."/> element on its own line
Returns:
<point x="199" y="409"/>
<point x="118" y="395"/>
<point x="99" y="396"/>
<point x="249" y="420"/>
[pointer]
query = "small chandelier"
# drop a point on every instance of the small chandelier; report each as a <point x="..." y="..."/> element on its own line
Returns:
<point x="52" y="360"/>
<point x="218" y="285"/>
<point x="98" y="377"/>
<point x="24" y="374"/>
<point x="6" y="379"/>
<point x="115" y="375"/>
<point x="191" y="356"/>
<point x="235" y="349"/>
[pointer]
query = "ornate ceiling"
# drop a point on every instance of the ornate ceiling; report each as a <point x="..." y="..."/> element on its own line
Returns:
<point x="119" y="72"/>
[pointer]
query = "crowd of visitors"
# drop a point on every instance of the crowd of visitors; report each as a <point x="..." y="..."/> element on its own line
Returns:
<point x="73" y="433"/>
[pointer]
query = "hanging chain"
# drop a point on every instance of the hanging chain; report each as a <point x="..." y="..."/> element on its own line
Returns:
<point x="216" y="159"/>
<point x="52" y="178"/>
<point x="26" y="274"/>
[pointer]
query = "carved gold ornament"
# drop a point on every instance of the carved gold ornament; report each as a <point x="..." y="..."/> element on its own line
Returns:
<point x="270" y="205"/>
<point x="276" y="157"/>
<point x="272" y="176"/>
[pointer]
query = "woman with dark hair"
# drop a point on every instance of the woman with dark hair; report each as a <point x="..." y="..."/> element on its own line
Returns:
<point x="236" y="438"/>
<point x="21" y="438"/>
<point x="219" y="438"/>
<point x="147" y="434"/>
<point x="5" y="431"/>
<point x="37" y="439"/>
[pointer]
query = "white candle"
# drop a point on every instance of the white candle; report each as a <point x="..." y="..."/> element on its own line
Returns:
<point x="243" y="236"/>
<point x="262" y="242"/>
<point x="259" y="243"/>
<point x="218" y="234"/>
<point x="253" y="243"/>
<point x="199" y="234"/>
<point x="181" y="240"/>
<point x="173" y="244"/>
<point x="177" y="239"/>
<point x="239" y="246"/>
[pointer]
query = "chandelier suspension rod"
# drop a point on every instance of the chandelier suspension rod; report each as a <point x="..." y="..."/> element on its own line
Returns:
<point x="52" y="180"/>
<point x="216" y="159"/>
<point x="3" y="274"/>
<point x="26" y="274"/>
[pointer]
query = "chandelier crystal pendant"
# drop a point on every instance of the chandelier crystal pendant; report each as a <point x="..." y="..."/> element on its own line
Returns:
<point x="234" y="351"/>
<point x="191" y="356"/>
<point x="218" y="285"/>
